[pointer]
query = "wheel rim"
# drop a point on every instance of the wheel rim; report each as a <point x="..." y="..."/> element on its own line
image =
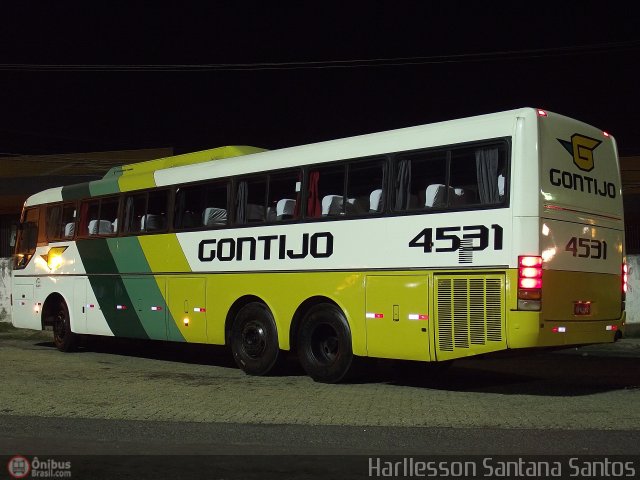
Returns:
<point x="254" y="339"/>
<point x="325" y="344"/>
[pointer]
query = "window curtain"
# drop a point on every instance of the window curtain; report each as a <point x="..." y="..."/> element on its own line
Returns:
<point x="129" y="216"/>
<point x="403" y="185"/>
<point x="381" y="205"/>
<point x="487" y="174"/>
<point x="241" y="202"/>
<point x="313" y="204"/>
<point x="178" y="221"/>
<point x="55" y="229"/>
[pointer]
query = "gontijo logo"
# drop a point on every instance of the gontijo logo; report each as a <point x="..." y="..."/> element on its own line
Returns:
<point x="581" y="148"/>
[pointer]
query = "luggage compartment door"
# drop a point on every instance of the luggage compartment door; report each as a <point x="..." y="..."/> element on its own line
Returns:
<point x="397" y="317"/>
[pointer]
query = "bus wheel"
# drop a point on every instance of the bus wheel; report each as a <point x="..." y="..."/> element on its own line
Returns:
<point x="324" y="344"/>
<point x="254" y="340"/>
<point x="63" y="338"/>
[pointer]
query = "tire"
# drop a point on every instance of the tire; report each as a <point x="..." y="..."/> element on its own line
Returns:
<point x="254" y="340"/>
<point x="324" y="344"/>
<point x="63" y="338"/>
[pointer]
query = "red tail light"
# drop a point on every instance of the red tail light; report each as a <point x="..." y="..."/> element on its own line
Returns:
<point x="529" y="282"/>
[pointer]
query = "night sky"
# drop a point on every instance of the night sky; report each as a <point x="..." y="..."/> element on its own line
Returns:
<point x="77" y="80"/>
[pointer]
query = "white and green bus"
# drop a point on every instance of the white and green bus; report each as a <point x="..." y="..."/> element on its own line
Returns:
<point x="429" y="243"/>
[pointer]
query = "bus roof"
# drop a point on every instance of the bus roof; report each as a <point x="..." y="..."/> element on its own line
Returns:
<point x="135" y="176"/>
<point x="201" y="165"/>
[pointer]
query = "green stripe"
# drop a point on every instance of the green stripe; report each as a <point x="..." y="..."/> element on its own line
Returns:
<point x="109" y="289"/>
<point x="144" y="292"/>
<point x="128" y="256"/>
<point x="104" y="186"/>
<point x="75" y="192"/>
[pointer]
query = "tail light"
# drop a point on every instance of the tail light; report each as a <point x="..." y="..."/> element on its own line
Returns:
<point x="529" y="282"/>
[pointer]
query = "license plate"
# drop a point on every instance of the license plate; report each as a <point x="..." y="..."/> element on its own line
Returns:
<point x="582" y="308"/>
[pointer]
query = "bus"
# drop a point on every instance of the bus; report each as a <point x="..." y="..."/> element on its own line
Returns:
<point x="428" y="243"/>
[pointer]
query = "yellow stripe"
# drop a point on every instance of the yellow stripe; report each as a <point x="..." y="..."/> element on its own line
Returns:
<point x="156" y="248"/>
<point x="140" y="175"/>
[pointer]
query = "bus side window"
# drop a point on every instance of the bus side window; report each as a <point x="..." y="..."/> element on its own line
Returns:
<point x="202" y="205"/>
<point x="487" y="164"/>
<point x="419" y="180"/>
<point x="475" y="175"/>
<point x="54" y="222"/>
<point x="108" y="216"/>
<point x="284" y="190"/>
<point x="326" y="191"/>
<point x="90" y="217"/>
<point x="187" y="208"/>
<point x="68" y="226"/>
<point x="135" y="207"/>
<point x="250" y="200"/>
<point x="364" y="187"/>
<point x="60" y="222"/>
<point x="155" y="217"/>
<point x="97" y="216"/>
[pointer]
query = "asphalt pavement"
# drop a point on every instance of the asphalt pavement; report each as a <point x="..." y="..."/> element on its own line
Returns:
<point x="118" y="397"/>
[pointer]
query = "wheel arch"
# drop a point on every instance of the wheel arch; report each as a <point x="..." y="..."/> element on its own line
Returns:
<point x="48" y="310"/>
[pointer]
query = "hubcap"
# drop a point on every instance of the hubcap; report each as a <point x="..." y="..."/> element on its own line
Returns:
<point x="254" y="339"/>
<point x="325" y="344"/>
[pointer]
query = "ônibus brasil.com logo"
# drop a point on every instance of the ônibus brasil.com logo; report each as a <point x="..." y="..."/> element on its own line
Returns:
<point x="20" y="467"/>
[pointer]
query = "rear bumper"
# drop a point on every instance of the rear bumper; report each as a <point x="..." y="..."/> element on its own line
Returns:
<point x="527" y="329"/>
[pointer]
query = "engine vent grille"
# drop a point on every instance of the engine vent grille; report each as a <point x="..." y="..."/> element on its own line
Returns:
<point x="470" y="311"/>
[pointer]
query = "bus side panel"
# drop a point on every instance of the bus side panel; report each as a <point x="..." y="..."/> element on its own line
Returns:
<point x="24" y="313"/>
<point x="397" y="316"/>
<point x="284" y="293"/>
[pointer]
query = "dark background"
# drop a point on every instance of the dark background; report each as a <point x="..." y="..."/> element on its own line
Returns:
<point x="443" y="60"/>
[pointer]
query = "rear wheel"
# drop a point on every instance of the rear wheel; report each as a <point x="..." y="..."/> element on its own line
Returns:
<point x="63" y="338"/>
<point x="254" y="340"/>
<point x="324" y="344"/>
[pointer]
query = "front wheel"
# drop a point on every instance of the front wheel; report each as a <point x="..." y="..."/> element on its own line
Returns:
<point x="324" y="344"/>
<point x="254" y="340"/>
<point x="63" y="338"/>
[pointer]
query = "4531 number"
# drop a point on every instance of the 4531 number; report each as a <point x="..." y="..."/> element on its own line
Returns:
<point x="587" y="248"/>
<point x="448" y="240"/>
